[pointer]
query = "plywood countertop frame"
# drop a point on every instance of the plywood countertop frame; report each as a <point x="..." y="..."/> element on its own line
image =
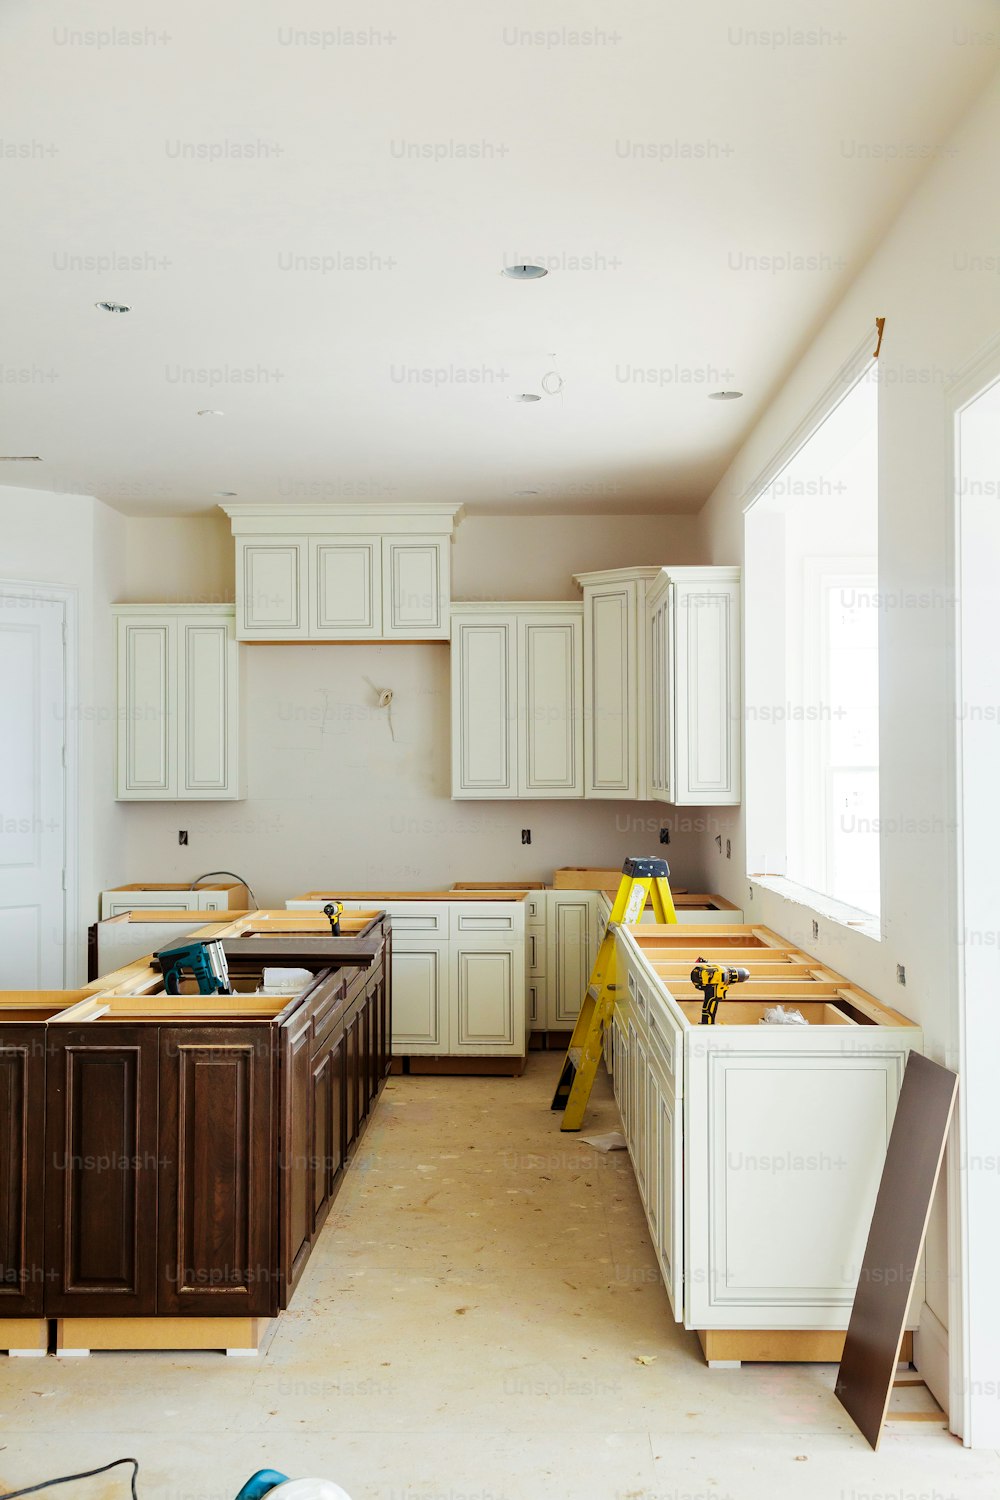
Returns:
<point x="788" y="974"/>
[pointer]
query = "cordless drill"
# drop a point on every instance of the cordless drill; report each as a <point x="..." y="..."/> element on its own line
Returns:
<point x="714" y="980"/>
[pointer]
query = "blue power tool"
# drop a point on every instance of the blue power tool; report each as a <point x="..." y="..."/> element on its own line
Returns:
<point x="280" y="1487"/>
<point x="206" y="962"/>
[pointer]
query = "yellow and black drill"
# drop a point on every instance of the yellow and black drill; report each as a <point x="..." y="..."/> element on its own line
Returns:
<point x="714" y="980"/>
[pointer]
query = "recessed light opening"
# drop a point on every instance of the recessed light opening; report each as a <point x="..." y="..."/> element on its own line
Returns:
<point x="526" y="396"/>
<point x="113" y="307"/>
<point x="524" y="272"/>
<point x="724" y="395"/>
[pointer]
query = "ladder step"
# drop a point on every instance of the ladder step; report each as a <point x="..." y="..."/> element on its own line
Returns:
<point x="640" y="878"/>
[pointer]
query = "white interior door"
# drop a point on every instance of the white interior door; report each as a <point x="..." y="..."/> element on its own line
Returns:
<point x="32" y="790"/>
<point x="975" y="1301"/>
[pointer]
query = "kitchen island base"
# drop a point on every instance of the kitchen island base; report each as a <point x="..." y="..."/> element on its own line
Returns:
<point x="236" y="1336"/>
<point x="25" y="1338"/>
<point x="728" y="1348"/>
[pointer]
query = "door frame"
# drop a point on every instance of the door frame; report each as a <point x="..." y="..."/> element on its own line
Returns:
<point x="68" y="598"/>
<point x="970" y="382"/>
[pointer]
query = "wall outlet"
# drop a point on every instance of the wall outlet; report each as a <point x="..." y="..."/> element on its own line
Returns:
<point x="815" y="929"/>
<point x="729" y="848"/>
<point x="182" y="835"/>
<point x="664" y="835"/>
<point x="900" y="973"/>
<point x="525" y="835"/>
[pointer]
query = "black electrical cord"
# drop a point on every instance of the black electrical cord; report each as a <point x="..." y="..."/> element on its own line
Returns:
<point x="84" y="1473"/>
<point x="197" y="880"/>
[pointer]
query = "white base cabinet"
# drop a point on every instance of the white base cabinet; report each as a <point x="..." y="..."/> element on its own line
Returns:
<point x="459" y="972"/>
<point x="757" y="1150"/>
<point x="178" y="674"/>
<point x="517" y="701"/>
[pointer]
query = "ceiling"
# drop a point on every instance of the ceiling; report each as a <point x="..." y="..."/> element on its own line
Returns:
<point x="307" y="209"/>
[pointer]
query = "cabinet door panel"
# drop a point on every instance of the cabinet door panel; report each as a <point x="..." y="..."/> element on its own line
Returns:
<point x="667" y="1163"/>
<point x="147" y="746"/>
<point x="219" y="1190"/>
<point x="708" y="694"/>
<point x="484" y="708"/>
<point x="661" y="689"/>
<point x="487" y="999"/>
<point x="102" y="1158"/>
<point x="271" y="589"/>
<point x="611" y="693"/>
<point x="208" y="708"/>
<point x="22" y="1171"/>
<point x="550" y="707"/>
<point x="296" y="1169"/>
<point x="416" y="587"/>
<point x="419" y="997"/>
<point x="346" y="588"/>
<point x="568" y="961"/>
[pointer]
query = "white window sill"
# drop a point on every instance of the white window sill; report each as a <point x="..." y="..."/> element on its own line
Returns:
<point x="822" y="906"/>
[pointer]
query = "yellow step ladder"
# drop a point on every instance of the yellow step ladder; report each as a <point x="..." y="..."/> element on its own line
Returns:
<point x="642" y="880"/>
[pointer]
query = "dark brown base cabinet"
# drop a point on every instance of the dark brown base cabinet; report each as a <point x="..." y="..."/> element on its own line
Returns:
<point x="187" y="1167"/>
<point x="22" y="1169"/>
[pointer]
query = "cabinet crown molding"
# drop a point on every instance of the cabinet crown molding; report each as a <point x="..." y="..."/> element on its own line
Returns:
<point x="220" y="610"/>
<point x="516" y="607"/>
<point x="616" y="575"/>
<point x="315" y="518"/>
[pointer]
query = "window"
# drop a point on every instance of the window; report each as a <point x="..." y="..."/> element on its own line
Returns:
<point x="812" y="663"/>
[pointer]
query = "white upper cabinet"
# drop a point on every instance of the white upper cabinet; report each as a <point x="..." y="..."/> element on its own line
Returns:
<point x="345" y="587"/>
<point x="484" y="738"/>
<point x="615" y="682"/>
<point x="550" y="708"/>
<point x="695" y="704"/>
<point x="178" y="703"/>
<point x="341" y="573"/>
<point x="517" y="700"/>
<point x="416" y="586"/>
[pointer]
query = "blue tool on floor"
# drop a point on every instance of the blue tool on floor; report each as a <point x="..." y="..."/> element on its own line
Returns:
<point x="206" y="962"/>
<point x="279" y="1487"/>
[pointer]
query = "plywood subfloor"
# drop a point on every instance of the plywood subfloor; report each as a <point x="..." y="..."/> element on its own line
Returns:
<point x="470" y="1326"/>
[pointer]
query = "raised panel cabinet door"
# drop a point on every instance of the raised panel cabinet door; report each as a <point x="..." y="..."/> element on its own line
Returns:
<point x="610" y="692"/>
<point x="661" y="690"/>
<point x="208" y="739"/>
<point x="568" y="962"/>
<point x="667" y="1163"/>
<point x="218" y="1226"/>
<point x="487" y="998"/>
<point x="22" y="1171"/>
<point x="416" y="587"/>
<point x="346" y="588"/>
<point x="272" y="588"/>
<point x="296" y="1163"/>
<point x="353" y="1109"/>
<point x="419" y="996"/>
<point x="781" y="1193"/>
<point x="550" y="706"/>
<point x="707" y="694"/>
<point x="484" y="708"/>
<point x="147" y="701"/>
<point x="102" y="1168"/>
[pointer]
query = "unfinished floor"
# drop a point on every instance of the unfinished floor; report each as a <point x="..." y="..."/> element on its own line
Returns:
<point x="483" y="1320"/>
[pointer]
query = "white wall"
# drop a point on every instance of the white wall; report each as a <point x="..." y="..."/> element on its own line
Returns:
<point x="74" y="541"/>
<point x="935" y="280"/>
<point x="333" y="801"/>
